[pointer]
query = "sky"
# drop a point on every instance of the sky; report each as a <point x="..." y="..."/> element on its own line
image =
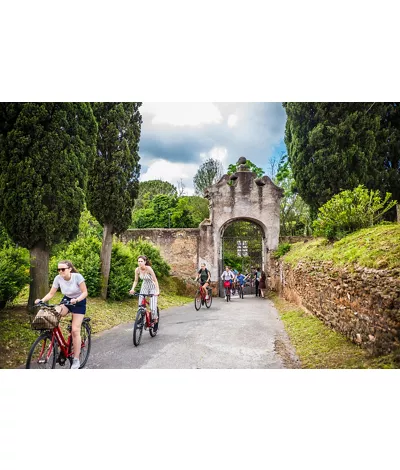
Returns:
<point x="177" y="138"/>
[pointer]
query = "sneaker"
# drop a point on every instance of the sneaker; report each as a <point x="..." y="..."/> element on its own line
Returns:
<point x="207" y="297"/>
<point x="75" y="363"/>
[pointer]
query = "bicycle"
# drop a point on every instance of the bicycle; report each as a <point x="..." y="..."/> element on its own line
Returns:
<point x="44" y="352"/>
<point x="143" y="320"/>
<point x="227" y="286"/>
<point x="200" y="297"/>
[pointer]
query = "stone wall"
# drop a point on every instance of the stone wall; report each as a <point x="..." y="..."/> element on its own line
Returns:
<point x="361" y="303"/>
<point x="179" y="247"/>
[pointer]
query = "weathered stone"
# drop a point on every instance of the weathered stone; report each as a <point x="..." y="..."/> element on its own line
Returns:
<point x="370" y="309"/>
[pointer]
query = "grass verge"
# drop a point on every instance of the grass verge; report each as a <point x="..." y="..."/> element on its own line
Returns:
<point x="318" y="347"/>
<point x="16" y="336"/>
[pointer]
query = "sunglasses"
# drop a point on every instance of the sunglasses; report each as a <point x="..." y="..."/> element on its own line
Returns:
<point x="61" y="269"/>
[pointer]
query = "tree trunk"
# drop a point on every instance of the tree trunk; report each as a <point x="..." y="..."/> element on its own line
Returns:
<point x="39" y="273"/>
<point x="105" y="256"/>
<point x="398" y="213"/>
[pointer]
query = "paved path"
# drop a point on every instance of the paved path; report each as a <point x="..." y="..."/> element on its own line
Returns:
<point x="242" y="334"/>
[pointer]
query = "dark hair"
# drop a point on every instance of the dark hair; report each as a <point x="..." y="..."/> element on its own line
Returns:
<point x="145" y="259"/>
<point x="70" y="265"/>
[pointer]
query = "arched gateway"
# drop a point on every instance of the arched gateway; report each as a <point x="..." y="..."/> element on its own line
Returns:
<point x="244" y="212"/>
<point x="240" y="197"/>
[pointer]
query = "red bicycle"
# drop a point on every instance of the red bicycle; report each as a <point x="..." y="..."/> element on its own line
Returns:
<point x="227" y="287"/>
<point x="44" y="352"/>
<point x="200" y="297"/>
<point x="143" y="320"/>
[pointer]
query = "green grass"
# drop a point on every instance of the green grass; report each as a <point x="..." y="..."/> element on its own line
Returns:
<point x="16" y="335"/>
<point x="318" y="347"/>
<point x="376" y="247"/>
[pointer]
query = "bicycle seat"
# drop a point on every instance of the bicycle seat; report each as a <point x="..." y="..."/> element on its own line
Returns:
<point x="86" y="320"/>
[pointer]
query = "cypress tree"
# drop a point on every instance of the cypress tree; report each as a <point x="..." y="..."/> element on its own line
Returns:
<point x="114" y="179"/>
<point x="45" y="152"/>
<point x="337" y="146"/>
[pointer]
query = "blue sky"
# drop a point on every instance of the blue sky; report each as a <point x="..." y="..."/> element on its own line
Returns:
<point x="178" y="137"/>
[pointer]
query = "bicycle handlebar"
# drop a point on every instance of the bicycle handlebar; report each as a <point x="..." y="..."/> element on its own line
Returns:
<point x="44" y="304"/>
<point x="137" y="294"/>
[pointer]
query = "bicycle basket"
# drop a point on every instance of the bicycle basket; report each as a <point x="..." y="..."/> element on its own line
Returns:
<point x="227" y="284"/>
<point x="46" y="319"/>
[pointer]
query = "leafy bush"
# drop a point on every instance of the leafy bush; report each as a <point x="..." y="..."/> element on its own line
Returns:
<point x="85" y="256"/>
<point x="14" y="272"/>
<point x="123" y="264"/>
<point x="282" y="249"/>
<point x="350" y="211"/>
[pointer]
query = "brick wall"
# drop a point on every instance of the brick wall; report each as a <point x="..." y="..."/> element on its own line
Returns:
<point x="179" y="247"/>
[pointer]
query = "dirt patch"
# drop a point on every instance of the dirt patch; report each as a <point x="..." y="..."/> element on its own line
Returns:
<point x="289" y="358"/>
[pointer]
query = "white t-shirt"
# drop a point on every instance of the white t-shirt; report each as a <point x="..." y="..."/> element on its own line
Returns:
<point x="227" y="275"/>
<point x="69" y="288"/>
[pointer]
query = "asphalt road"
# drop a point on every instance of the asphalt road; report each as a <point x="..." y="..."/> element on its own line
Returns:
<point x="242" y="334"/>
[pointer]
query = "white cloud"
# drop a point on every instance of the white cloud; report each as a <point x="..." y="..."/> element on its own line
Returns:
<point x="183" y="114"/>
<point x="160" y="169"/>
<point x="232" y="120"/>
<point x="216" y="153"/>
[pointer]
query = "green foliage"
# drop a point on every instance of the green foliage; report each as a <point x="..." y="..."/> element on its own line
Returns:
<point x="349" y="211"/>
<point x="45" y="151"/>
<point x="282" y="249"/>
<point x="14" y="272"/>
<point x="113" y="183"/>
<point x="295" y="218"/>
<point x="233" y="167"/>
<point x="149" y="189"/>
<point x="89" y="227"/>
<point x="210" y="172"/>
<point x="165" y="211"/>
<point x="123" y="264"/>
<point x="337" y="146"/>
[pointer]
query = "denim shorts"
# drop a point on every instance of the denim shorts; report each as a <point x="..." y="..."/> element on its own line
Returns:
<point x="79" y="307"/>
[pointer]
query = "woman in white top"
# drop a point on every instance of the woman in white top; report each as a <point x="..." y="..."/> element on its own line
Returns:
<point x="149" y="285"/>
<point x="72" y="285"/>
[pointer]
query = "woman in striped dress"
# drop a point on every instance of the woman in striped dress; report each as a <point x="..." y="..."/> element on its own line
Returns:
<point x="149" y="285"/>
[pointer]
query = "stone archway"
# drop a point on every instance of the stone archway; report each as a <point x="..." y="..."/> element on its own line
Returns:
<point x="241" y="196"/>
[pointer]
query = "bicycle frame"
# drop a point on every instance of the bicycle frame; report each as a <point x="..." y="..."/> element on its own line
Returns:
<point x="146" y="304"/>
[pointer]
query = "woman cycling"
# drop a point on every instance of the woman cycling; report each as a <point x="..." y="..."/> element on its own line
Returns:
<point x="73" y="287"/>
<point x="149" y="286"/>
<point x="205" y="277"/>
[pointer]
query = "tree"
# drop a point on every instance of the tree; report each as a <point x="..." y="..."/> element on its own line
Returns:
<point x="149" y="189"/>
<point x="45" y="152"/>
<point x="114" y="177"/>
<point x="337" y="146"/>
<point x="208" y="174"/>
<point x="233" y="167"/>
<point x="170" y="211"/>
<point x="295" y="216"/>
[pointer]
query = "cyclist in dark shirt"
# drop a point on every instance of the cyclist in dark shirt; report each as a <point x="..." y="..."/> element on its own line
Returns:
<point x="205" y="276"/>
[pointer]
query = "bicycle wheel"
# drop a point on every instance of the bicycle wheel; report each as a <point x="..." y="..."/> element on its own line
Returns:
<point x="153" y="331"/>
<point x="42" y="354"/>
<point x="86" y="344"/>
<point x="138" y="327"/>
<point x="209" y="300"/>
<point x="197" y="300"/>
